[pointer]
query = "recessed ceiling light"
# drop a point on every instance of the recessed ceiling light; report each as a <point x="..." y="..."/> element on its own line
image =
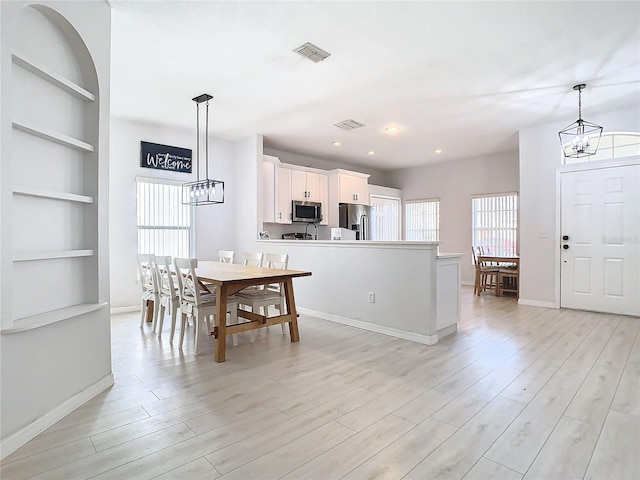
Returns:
<point x="336" y="144"/>
<point x="437" y="151"/>
<point x="392" y="129"/>
<point x="370" y="152"/>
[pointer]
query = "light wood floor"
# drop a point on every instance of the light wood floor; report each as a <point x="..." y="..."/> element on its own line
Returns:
<point x="518" y="392"/>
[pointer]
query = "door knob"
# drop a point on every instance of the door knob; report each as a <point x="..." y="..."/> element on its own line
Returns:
<point x="565" y="237"/>
<point x="565" y="246"/>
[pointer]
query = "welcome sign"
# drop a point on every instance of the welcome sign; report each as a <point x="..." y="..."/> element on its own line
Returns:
<point x="165" y="157"/>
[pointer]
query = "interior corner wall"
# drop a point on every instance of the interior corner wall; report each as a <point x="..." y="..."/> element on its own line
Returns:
<point x="454" y="183"/>
<point x="248" y="154"/>
<point x="540" y="158"/>
<point x="215" y="224"/>
<point x="45" y="370"/>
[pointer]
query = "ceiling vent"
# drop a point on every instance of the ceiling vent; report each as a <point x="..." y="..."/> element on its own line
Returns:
<point x="349" y="124"/>
<point x="313" y="53"/>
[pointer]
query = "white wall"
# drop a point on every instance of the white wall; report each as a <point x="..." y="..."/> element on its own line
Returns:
<point x="540" y="157"/>
<point x="46" y="369"/>
<point x="454" y="183"/>
<point x="215" y="224"/>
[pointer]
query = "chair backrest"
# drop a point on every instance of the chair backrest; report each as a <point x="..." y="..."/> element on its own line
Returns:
<point x="166" y="286"/>
<point x="188" y="285"/>
<point x="252" y="259"/>
<point x="226" y="256"/>
<point x="276" y="260"/>
<point x="147" y="273"/>
<point x="473" y="255"/>
<point x="279" y="261"/>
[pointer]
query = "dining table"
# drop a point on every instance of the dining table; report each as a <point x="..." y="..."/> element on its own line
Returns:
<point x="230" y="278"/>
<point x="505" y="262"/>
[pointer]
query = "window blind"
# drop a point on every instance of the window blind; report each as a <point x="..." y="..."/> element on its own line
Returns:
<point x="422" y="220"/>
<point x="495" y="223"/>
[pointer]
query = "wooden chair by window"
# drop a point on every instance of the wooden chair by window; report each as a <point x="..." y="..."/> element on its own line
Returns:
<point x="486" y="275"/>
<point x="169" y="296"/>
<point x="226" y="256"/>
<point x="272" y="294"/>
<point x="150" y="294"/>
<point x="198" y="302"/>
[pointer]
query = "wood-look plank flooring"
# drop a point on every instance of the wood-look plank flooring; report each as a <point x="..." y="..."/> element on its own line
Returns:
<point x="519" y="392"/>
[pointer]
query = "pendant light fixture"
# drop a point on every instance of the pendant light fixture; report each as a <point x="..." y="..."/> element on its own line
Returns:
<point x="580" y="139"/>
<point x="203" y="191"/>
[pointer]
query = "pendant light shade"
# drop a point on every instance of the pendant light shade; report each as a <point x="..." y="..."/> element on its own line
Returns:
<point x="581" y="138"/>
<point x="203" y="191"/>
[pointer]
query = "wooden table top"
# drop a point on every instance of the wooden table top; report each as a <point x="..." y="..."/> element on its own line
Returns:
<point x="228" y="273"/>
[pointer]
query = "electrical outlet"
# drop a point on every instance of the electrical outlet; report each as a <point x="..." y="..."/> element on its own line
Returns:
<point x="372" y="297"/>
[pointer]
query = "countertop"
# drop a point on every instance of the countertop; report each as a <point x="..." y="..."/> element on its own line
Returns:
<point x="402" y="244"/>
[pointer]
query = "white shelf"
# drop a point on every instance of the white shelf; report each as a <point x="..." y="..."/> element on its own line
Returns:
<point x="43" y="193"/>
<point x="25" y="257"/>
<point x="47" y="318"/>
<point x="53" y="78"/>
<point x="54" y="137"/>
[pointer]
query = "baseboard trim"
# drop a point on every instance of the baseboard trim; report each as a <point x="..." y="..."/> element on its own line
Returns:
<point x="536" y="303"/>
<point x="127" y="309"/>
<point x="16" y="440"/>
<point x="372" y="327"/>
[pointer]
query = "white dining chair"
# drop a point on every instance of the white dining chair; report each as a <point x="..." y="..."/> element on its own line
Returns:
<point x="226" y="256"/>
<point x="168" y="292"/>
<point x="252" y="259"/>
<point x="149" y="284"/>
<point x="272" y="294"/>
<point x="196" y="303"/>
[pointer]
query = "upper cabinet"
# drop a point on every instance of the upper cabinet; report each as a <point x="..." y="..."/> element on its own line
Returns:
<point x="284" y="183"/>
<point x="350" y="187"/>
<point x="306" y="185"/>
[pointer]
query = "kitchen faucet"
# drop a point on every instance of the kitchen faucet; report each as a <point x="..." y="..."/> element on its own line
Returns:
<point x="315" y="237"/>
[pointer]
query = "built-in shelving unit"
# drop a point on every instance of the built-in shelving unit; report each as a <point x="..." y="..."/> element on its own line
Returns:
<point x="30" y="256"/>
<point x="36" y="321"/>
<point x="43" y="193"/>
<point x="54" y="137"/>
<point x="52" y="77"/>
<point x="43" y="186"/>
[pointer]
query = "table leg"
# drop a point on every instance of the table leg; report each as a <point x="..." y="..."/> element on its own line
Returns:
<point x="477" y="284"/>
<point x="150" y="310"/>
<point x="291" y="308"/>
<point x="221" y="322"/>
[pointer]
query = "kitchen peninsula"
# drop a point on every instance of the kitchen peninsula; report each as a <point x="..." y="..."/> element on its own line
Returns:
<point x="403" y="289"/>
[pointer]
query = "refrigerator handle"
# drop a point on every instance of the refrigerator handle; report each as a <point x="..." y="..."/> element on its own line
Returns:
<point x="364" y="227"/>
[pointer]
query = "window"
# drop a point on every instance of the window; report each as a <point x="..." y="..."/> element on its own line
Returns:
<point x="164" y="223"/>
<point x="495" y="223"/>
<point x="386" y="217"/>
<point x="612" y="145"/>
<point x="422" y="220"/>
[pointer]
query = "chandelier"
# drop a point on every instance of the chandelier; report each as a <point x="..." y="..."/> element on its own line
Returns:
<point x="204" y="191"/>
<point x="580" y="139"/>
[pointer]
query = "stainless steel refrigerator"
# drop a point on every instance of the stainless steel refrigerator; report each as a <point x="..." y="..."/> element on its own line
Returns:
<point x="357" y="218"/>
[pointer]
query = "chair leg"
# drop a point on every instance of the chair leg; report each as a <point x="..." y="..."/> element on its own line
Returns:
<point x="281" y="311"/>
<point x="174" y="315"/>
<point x="233" y="314"/>
<point x="143" y="312"/>
<point x="160" y="320"/>
<point x="156" y="309"/>
<point x="183" y="328"/>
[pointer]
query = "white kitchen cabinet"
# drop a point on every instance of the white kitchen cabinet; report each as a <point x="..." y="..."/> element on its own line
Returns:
<point x="353" y="188"/>
<point x="305" y="185"/>
<point x="276" y="191"/>
<point x="283" y="195"/>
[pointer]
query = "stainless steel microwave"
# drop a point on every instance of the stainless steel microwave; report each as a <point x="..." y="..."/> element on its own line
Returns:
<point x="310" y="212"/>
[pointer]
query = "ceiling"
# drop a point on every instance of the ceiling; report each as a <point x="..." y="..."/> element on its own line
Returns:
<point x="462" y="77"/>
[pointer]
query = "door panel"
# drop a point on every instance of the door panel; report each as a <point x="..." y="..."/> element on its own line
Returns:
<point x="600" y="267"/>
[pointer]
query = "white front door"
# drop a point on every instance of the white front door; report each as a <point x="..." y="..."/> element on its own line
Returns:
<point x="600" y="229"/>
